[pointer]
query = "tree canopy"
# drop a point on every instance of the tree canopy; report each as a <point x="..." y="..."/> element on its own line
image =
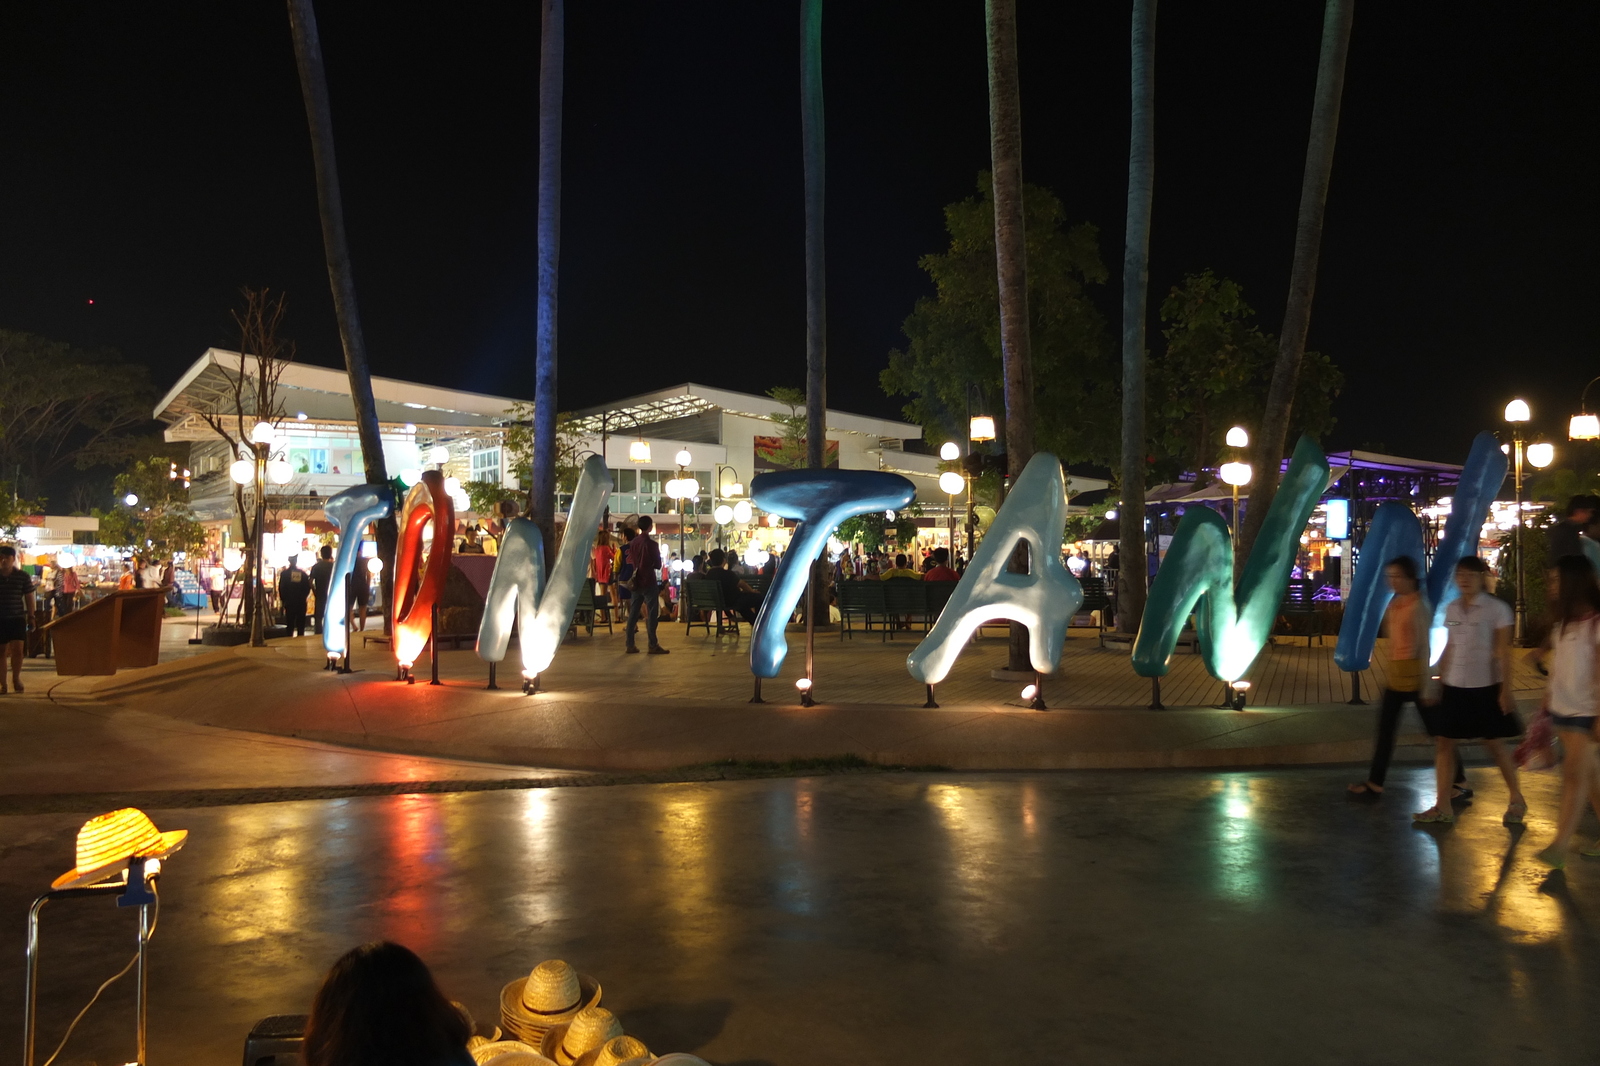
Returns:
<point x="954" y="336"/>
<point x="1214" y="374"/>
<point x="159" y="520"/>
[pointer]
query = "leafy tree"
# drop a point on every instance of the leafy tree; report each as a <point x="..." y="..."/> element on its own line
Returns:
<point x="954" y="336"/>
<point x="1214" y="375"/>
<point x="791" y="453"/>
<point x="62" y="406"/>
<point x="160" y="520"/>
<point x="518" y="447"/>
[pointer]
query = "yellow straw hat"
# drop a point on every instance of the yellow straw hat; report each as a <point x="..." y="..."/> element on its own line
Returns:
<point x="618" y="1051"/>
<point x="589" y="1029"/>
<point x="553" y="993"/>
<point x="107" y="841"/>
<point x="488" y="1049"/>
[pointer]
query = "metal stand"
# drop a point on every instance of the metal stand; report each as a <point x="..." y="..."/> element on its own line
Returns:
<point x="349" y="634"/>
<point x="433" y="648"/>
<point x="1155" y="695"/>
<point x="492" y="685"/>
<point x="757" y="697"/>
<point x="197" y="609"/>
<point x="930" y="702"/>
<point x="530" y="685"/>
<point x="806" y="697"/>
<point x="1355" y="699"/>
<point x="134" y="890"/>
<point x="1038" y="703"/>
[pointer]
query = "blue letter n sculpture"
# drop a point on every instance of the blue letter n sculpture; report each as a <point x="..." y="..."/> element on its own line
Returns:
<point x="1233" y="624"/>
<point x="820" y="499"/>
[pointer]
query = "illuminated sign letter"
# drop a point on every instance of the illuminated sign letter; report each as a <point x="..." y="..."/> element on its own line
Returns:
<point x="351" y="511"/>
<point x="1233" y="623"/>
<point x="1395" y="531"/>
<point x="518" y="588"/>
<point x="427" y="504"/>
<point x="1044" y="600"/>
<point x="820" y="499"/>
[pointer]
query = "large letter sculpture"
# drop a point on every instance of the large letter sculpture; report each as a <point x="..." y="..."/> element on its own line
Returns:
<point x="1395" y="531"/>
<point x="518" y="590"/>
<point x="1233" y="624"/>
<point x="1044" y="599"/>
<point x="415" y="593"/>
<point x="820" y="499"/>
<point x="351" y="511"/>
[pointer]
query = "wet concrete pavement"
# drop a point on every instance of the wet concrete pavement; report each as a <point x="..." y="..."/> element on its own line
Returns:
<point x="1093" y="917"/>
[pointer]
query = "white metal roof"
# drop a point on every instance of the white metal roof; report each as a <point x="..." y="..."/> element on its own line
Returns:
<point x="689" y="399"/>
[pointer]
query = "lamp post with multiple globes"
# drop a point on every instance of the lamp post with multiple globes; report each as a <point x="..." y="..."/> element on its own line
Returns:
<point x="256" y="471"/>
<point x="1539" y="455"/>
<point x="1236" y="474"/>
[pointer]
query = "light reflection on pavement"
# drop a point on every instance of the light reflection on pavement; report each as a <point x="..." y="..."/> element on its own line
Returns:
<point x="1133" y="917"/>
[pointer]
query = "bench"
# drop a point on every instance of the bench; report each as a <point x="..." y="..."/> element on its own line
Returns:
<point x="859" y="599"/>
<point x="589" y="612"/>
<point x="703" y="596"/>
<point x="1298" y="603"/>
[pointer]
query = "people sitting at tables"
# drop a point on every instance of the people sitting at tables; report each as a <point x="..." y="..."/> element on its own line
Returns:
<point x="939" y="570"/>
<point x="901" y="568"/>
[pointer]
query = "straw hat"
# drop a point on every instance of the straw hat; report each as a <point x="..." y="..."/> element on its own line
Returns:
<point x="552" y="994"/>
<point x="488" y="1049"/>
<point x="518" y="1058"/>
<point x="589" y="1029"/>
<point x="618" y="1051"/>
<point x="107" y="841"/>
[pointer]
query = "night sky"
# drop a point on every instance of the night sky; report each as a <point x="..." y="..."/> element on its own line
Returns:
<point x="156" y="159"/>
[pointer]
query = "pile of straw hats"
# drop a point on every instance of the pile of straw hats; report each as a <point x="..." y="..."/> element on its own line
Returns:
<point x="551" y="995"/>
<point x="553" y="1017"/>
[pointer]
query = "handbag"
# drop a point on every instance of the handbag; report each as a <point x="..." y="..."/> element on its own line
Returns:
<point x="1538" y="749"/>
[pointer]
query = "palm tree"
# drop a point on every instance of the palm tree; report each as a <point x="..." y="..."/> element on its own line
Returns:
<point x="1011" y="257"/>
<point x="1135" y="294"/>
<point x="814" y="151"/>
<point x="336" y="248"/>
<point x="552" y="45"/>
<point x="1274" y="430"/>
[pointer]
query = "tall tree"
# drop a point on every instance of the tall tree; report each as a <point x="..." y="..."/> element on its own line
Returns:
<point x="1135" y="298"/>
<point x="1011" y="258"/>
<point x="552" y="49"/>
<point x="1271" y="437"/>
<point x="336" y="248"/>
<point x="813" y="136"/>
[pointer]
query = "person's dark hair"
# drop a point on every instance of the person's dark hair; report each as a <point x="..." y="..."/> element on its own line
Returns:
<point x="327" y="551"/>
<point x="7" y="551"/>
<point x="1473" y="564"/>
<point x="716" y="558"/>
<point x="900" y="561"/>
<point x="941" y="557"/>
<point x="645" y="523"/>
<point x="1582" y="502"/>
<point x="379" y="1006"/>
<point x="1578" y="593"/>
<point x="1405" y="564"/>
<point x="628" y="533"/>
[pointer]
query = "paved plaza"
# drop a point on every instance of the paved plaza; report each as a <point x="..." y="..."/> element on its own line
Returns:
<point x="1219" y="910"/>
<point x="1096" y="917"/>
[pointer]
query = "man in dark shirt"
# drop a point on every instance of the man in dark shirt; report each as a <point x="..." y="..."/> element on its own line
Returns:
<point x="645" y="556"/>
<point x="1564" y="536"/>
<point x="16" y="611"/>
<point x="740" y="597"/>
<point x="294" y="589"/>
<point x="321" y="574"/>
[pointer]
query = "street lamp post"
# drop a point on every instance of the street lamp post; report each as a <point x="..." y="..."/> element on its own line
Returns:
<point x="1235" y="474"/>
<point x="980" y="428"/>
<point x="723" y="490"/>
<point x="255" y="472"/>
<point x="1517" y="414"/>
<point x="1584" y="426"/>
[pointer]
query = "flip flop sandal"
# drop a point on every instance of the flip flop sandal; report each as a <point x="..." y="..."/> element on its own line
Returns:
<point x="1433" y="814"/>
<point x="1553" y="857"/>
<point x="1462" y="793"/>
<point x="1592" y="851"/>
<point x="1515" y="813"/>
<point x="1364" y="789"/>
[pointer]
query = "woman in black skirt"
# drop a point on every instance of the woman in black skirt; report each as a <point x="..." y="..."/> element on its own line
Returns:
<point x="1470" y="696"/>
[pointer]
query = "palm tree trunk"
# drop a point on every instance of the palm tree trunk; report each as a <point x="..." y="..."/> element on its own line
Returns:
<point x="1135" y="298"/>
<point x="1011" y="259"/>
<point x="814" y="152"/>
<point x="336" y="248"/>
<point x="1272" y="436"/>
<point x="812" y="132"/>
<point x="552" y="42"/>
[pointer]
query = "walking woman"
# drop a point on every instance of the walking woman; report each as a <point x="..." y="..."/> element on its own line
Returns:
<point x="1405" y="621"/>
<point x="1573" y="697"/>
<point x="1475" y="702"/>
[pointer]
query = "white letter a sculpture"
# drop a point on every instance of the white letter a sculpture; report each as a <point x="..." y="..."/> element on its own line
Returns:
<point x="1043" y="600"/>
<point x="518" y="587"/>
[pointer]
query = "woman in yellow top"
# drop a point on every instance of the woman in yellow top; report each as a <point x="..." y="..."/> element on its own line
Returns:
<point x="1406" y="621"/>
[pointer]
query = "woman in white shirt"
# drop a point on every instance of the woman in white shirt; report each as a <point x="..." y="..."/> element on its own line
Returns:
<point x="1475" y="700"/>
<point x="1573" y="696"/>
